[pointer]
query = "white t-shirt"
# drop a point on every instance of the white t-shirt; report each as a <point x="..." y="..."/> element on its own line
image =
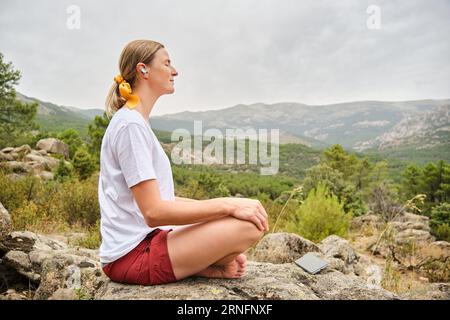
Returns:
<point x="130" y="153"/>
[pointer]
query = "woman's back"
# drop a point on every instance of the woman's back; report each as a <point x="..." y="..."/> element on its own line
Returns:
<point x="130" y="153"/>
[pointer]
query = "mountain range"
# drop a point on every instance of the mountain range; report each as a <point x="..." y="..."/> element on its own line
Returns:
<point x="384" y="127"/>
<point x="353" y="125"/>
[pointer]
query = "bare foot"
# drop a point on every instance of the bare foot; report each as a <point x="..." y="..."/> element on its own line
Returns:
<point x="232" y="270"/>
<point x="242" y="263"/>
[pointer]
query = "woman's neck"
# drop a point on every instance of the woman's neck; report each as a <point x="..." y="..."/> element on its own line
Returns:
<point x="147" y="101"/>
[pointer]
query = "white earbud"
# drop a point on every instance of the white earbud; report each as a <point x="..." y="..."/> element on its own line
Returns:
<point x="144" y="70"/>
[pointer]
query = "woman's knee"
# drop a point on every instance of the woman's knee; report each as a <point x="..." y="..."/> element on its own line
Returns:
<point x="248" y="232"/>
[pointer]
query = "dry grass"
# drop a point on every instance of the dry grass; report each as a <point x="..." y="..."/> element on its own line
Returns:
<point x="420" y="262"/>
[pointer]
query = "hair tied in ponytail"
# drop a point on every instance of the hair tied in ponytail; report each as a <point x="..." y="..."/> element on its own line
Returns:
<point x="132" y="100"/>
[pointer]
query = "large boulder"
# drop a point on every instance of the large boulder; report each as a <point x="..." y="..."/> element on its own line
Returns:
<point x="27" y="241"/>
<point x="5" y="222"/>
<point x="62" y="272"/>
<point x="5" y="156"/>
<point x="367" y="220"/>
<point x="20" y="152"/>
<point x="343" y="257"/>
<point x="51" y="264"/>
<point x="52" y="145"/>
<point x="24" y="161"/>
<point x="25" y="252"/>
<point x="411" y="227"/>
<point x="281" y="248"/>
<point x="431" y="291"/>
<point x="263" y="281"/>
<point x="17" y="166"/>
<point x="47" y="163"/>
<point x="339" y="254"/>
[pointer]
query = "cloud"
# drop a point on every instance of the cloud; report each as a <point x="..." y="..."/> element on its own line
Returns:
<point x="234" y="51"/>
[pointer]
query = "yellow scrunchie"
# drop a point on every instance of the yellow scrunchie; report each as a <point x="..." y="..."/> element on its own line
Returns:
<point x="126" y="92"/>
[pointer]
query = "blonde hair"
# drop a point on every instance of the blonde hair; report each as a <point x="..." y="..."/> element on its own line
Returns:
<point x="134" y="52"/>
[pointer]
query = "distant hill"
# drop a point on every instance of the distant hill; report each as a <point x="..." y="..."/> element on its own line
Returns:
<point x="52" y="117"/>
<point x="420" y="137"/>
<point x="348" y="124"/>
<point x="411" y="131"/>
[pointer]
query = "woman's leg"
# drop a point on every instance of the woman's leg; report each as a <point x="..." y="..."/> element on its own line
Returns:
<point x="196" y="247"/>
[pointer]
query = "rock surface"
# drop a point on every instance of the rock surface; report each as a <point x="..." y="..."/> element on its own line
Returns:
<point x="281" y="247"/>
<point x="58" y="271"/>
<point x="263" y="281"/>
<point x="23" y="160"/>
<point x="5" y="222"/>
<point x="52" y="145"/>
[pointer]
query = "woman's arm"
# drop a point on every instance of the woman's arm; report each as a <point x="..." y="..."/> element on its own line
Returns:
<point x="185" y="199"/>
<point x="158" y="212"/>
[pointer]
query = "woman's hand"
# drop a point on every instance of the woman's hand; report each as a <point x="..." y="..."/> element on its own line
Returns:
<point x="250" y="210"/>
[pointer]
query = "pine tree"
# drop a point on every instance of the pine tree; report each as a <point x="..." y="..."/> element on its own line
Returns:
<point x="411" y="181"/>
<point x="83" y="163"/>
<point x="320" y="215"/>
<point x="73" y="140"/>
<point x="96" y="131"/>
<point x="17" y="119"/>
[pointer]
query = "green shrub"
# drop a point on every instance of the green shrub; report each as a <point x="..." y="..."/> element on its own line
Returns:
<point x="15" y="192"/>
<point x="79" y="201"/>
<point x="442" y="232"/>
<point x="319" y="216"/>
<point x="63" y="171"/>
<point x="440" y="220"/>
<point x="25" y="216"/>
<point x="83" y="163"/>
<point x="93" y="237"/>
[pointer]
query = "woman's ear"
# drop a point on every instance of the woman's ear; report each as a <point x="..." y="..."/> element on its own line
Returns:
<point x="142" y="70"/>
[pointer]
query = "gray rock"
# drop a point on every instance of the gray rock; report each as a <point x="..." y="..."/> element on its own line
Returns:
<point x="281" y="248"/>
<point x="38" y="166"/>
<point x="5" y="222"/>
<point x="52" y="264"/>
<point x="413" y="235"/>
<point x="371" y="220"/>
<point x="15" y="155"/>
<point x="12" y="294"/>
<point x="411" y="227"/>
<point x="442" y="245"/>
<point x="432" y="291"/>
<point x="52" y="145"/>
<point x="27" y="241"/>
<point x="337" y="286"/>
<point x="64" y="272"/>
<point x="336" y="247"/>
<point x="63" y="294"/>
<point x="67" y="271"/>
<point x="20" y="261"/>
<point x="47" y="162"/>
<point x="262" y="281"/>
<point x="45" y="175"/>
<point x="7" y="149"/>
<point x="22" y="150"/>
<point x="5" y="156"/>
<point x="342" y="257"/>
<point x="17" y="166"/>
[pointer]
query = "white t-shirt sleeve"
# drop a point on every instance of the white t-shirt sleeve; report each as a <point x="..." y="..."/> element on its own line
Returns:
<point x="134" y="153"/>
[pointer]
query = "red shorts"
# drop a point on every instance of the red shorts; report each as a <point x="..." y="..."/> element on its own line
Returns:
<point x="147" y="264"/>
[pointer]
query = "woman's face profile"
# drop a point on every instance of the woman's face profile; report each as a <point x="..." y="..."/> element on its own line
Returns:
<point x="161" y="73"/>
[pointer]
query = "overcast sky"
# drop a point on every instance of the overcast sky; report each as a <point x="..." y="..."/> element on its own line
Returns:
<point x="234" y="51"/>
